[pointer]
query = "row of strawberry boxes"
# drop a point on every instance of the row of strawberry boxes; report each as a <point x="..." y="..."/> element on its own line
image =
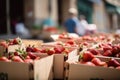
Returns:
<point x="39" y="67"/>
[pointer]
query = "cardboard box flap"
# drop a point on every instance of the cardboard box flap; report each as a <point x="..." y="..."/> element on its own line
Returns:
<point x="14" y="71"/>
<point x="43" y="68"/>
<point x="12" y="48"/>
<point x="28" y="42"/>
<point x="74" y="59"/>
<point x="58" y="66"/>
<point x="83" y="72"/>
<point x="73" y="53"/>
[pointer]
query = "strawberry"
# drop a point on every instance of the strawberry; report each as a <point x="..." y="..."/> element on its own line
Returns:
<point x="43" y="50"/>
<point x="85" y="43"/>
<point x="4" y="44"/>
<point x="50" y="52"/>
<point x="94" y="51"/>
<point x="35" y="50"/>
<point x="106" y="47"/>
<point x="28" y="61"/>
<point x="32" y="55"/>
<point x="17" y="59"/>
<point x="29" y="49"/>
<point x="16" y="53"/>
<point x="87" y="56"/>
<point x="3" y="58"/>
<point x="71" y="42"/>
<point x="59" y="49"/>
<point x="37" y="58"/>
<point x="113" y="62"/>
<point x="107" y="53"/>
<point x="15" y="41"/>
<point x="115" y="50"/>
<point x="66" y="51"/>
<point x="98" y="62"/>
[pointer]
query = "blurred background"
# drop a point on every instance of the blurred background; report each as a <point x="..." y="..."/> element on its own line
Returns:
<point x="35" y="15"/>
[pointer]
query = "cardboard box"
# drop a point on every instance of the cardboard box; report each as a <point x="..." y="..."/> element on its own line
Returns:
<point x="36" y="43"/>
<point x="11" y="48"/>
<point x="42" y="70"/>
<point x="85" y="72"/>
<point x="14" y="71"/>
<point x="59" y="59"/>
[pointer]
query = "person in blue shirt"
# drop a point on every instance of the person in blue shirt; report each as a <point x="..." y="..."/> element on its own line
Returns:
<point x="71" y="23"/>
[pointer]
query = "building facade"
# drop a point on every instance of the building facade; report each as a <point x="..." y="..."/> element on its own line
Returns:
<point x="104" y="13"/>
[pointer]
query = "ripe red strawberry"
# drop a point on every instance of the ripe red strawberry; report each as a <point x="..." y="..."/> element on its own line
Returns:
<point x="94" y="51"/>
<point x="43" y="50"/>
<point x="107" y="53"/>
<point x="85" y="43"/>
<point x="115" y="50"/>
<point x="17" y="59"/>
<point x="28" y="61"/>
<point x="29" y="49"/>
<point x="4" y="44"/>
<point x="71" y="42"/>
<point x="106" y="47"/>
<point x="3" y="58"/>
<point x="59" y="49"/>
<point x="15" y="41"/>
<point x="32" y="55"/>
<point x="113" y="62"/>
<point x="98" y="62"/>
<point x="87" y="56"/>
<point x="16" y="53"/>
<point x="50" y="52"/>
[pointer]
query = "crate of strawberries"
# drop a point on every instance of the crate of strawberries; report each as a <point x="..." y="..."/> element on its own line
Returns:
<point x="91" y="67"/>
<point x="21" y="64"/>
<point x="61" y="54"/>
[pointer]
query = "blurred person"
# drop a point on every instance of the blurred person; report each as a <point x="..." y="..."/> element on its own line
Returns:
<point x="87" y="28"/>
<point x="71" y="23"/>
<point x="81" y="26"/>
<point x="83" y="21"/>
<point x="20" y="28"/>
